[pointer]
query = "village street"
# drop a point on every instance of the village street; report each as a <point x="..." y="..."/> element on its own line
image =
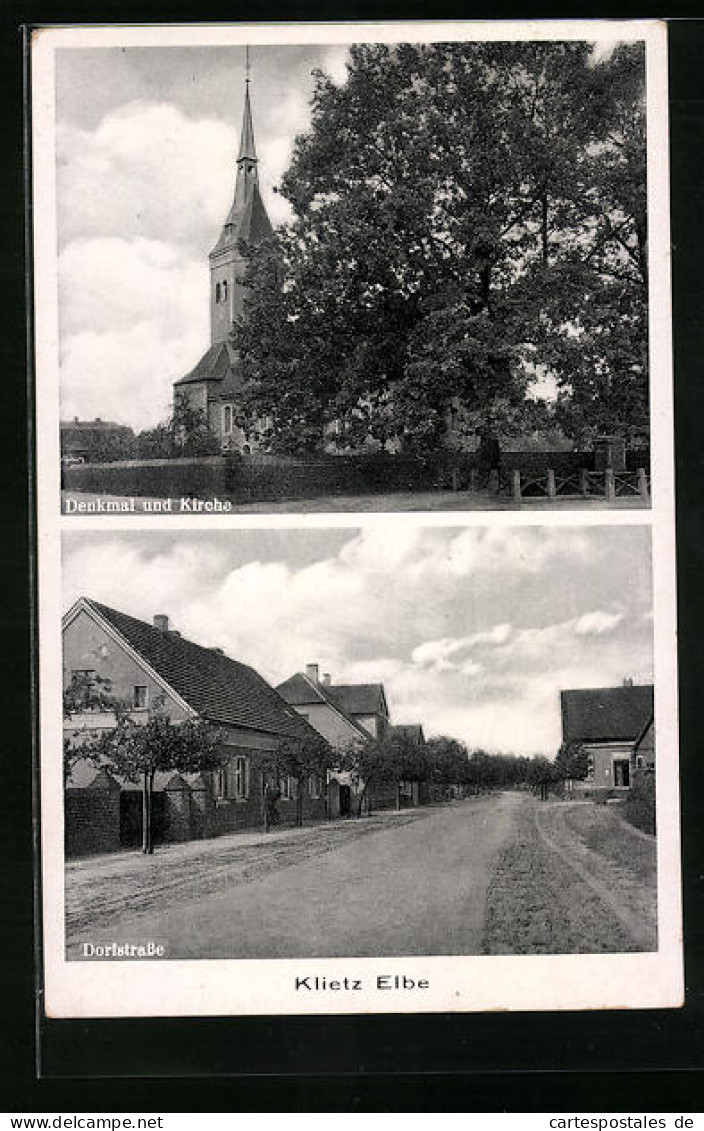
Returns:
<point x="455" y="879"/>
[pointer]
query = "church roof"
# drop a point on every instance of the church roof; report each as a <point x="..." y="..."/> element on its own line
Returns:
<point x="247" y="150"/>
<point x="220" y="363"/>
<point x="247" y="219"/>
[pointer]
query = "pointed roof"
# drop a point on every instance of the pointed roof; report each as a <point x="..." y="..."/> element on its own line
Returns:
<point x="411" y="731"/>
<point x="215" y="687"/>
<point x="247" y="219"/>
<point x="247" y="149"/>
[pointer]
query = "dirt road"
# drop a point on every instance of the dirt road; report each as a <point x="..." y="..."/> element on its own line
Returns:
<point x="417" y="888"/>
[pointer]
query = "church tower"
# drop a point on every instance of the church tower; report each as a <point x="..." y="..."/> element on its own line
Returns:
<point x="247" y="222"/>
<point x="213" y="386"/>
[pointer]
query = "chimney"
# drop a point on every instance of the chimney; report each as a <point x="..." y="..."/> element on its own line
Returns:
<point x="313" y="673"/>
<point x="161" y="622"/>
<point x="326" y="679"/>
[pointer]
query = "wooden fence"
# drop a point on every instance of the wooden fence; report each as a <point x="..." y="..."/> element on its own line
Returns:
<point x="609" y="485"/>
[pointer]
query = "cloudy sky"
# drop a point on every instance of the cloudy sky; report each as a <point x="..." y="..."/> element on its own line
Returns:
<point x="473" y="631"/>
<point x="146" y="146"/>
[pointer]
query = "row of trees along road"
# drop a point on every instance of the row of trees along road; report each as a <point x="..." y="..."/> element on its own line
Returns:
<point x="465" y="216"/>
<point x="136" y="750"/>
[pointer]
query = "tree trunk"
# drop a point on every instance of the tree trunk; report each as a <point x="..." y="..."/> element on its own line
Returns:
<point x="147" y="791"/>
<point x="299" y="803"/>
<point x="544" y="220"/>
<point x="398" y="797"/>
<point x="265" y="809"/>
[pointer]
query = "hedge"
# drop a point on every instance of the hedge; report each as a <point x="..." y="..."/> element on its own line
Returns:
<point x="264" y="477"/>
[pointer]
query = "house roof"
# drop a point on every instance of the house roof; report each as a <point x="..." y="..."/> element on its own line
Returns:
<point x="92" y="426"/>
<point x="300" y="691"/>
<point x="412" y="731"/>
<point x="646" y="738"/>
<point x="606" y="714"/>
<point x="217" y="688"/>
<point x="359" y="698"/>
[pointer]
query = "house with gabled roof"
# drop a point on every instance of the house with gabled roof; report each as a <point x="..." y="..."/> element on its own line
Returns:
<point x="608" y="723"/>
<point x="347" y="713"/>
<point x="144" y="663"/>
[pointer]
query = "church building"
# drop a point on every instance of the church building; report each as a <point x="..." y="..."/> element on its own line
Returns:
<point x="212" y="386"/>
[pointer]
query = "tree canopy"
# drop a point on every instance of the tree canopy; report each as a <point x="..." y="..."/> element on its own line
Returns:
<point x="467" y="217"/>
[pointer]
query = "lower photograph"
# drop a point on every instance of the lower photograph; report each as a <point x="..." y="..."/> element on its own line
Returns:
<point x="358" y="743"/>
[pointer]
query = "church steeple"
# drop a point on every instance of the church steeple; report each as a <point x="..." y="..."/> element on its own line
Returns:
<point x="246" y="223"/>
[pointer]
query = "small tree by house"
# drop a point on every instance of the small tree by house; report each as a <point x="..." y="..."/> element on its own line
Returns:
<point x="542" y="773"/>
<point x="571" y="763"/>
<point x="381" y="761"/>
<point x="302" y="760"/>
<point x="87" y="694"/>
<point x="137" y="751"/>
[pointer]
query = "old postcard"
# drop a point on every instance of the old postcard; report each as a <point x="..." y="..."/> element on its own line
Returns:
<point x="358" y="682"/>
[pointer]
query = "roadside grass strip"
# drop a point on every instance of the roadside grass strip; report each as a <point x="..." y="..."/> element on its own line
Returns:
<point x="571" y="890"/>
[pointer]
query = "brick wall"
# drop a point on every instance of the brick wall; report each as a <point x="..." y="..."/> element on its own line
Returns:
<point x="92" y="821"/>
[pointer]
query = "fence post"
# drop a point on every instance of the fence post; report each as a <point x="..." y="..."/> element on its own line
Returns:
<point x="473" y="480"/>
<point x="609" y="485"/>
<point x="493" y="482"/>
<point x="516" y="485"/>
<point x="583" y="482"/>
<point x="551" y="483"/>
<point x="642" y="483"/>
<point x="455" y="479"/>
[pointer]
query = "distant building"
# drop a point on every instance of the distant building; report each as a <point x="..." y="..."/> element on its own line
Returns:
<point x="88" y="440"/>
<point x="608" y="723"/>
<point x="350" y="713"/>
<point x="143" y="662"/>
<point x="214" y="385"/>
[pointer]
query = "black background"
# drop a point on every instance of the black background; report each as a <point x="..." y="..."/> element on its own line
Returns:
<point x="594" y="1061"/>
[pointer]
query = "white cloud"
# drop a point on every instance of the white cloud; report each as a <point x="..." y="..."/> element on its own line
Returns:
<point x="597" y="623"/>
<point x="365" y="612"/>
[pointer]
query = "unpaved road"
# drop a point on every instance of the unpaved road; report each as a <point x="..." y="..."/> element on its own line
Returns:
<point x="500" y="874"/>
<point x="415" y="888"/>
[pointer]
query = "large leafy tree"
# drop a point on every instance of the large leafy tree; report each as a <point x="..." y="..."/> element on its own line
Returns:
<point x="466" y="216"/>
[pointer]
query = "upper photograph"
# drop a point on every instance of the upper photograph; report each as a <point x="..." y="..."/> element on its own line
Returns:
<point x="370" y="276"/>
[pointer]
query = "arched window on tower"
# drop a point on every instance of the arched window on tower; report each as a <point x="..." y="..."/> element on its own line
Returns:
<point x="224" y="290"/>
<point x="227" y="418"/>
<point x="217" y="292"/>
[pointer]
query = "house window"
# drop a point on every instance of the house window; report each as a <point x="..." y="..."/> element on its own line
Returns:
<point x="140" y="697"/>
<point x="314" y="786"/>
<point x="240" y="778"/>
<point x="227" y="418"/>
<point x="288" y="788"/>
<point x="640" y="761"/>
<point x="622" y="773"/>
<point x="232" y="781"/>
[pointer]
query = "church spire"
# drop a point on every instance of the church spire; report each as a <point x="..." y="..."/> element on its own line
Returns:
<point x="247" y="149"/>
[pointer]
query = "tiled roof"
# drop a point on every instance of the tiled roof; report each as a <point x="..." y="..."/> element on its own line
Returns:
<point x="247" y="222"/>
<point x="217" y="363"/>
<point x="300" y="691"/>
<point x="359" y="698"/>
<point x="606" y="714"/>
<point x="219" y="689"/>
